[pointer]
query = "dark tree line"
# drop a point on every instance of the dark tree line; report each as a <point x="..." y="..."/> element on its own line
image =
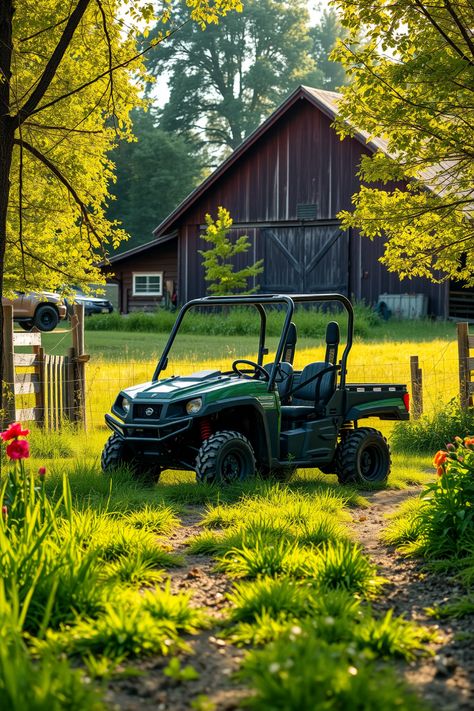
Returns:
<point x="222" y="84"/>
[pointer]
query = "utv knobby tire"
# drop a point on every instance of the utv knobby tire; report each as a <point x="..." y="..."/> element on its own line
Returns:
<point x="115" y="455"/>
<point x="363" y="457"/>
<point x="225" y="457"/>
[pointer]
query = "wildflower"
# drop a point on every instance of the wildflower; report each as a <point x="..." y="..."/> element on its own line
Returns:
<point x="352" y="671"/>
<point x="469" y="441"/>
<point x="450" y="447"/>
<point x="13" y="432"/>
<point x="5" y="511"/>
<point x="18" y="449"/>
<point x="440" y="458"/>
<point x="440" y="471"/>
<point x="42" y="472"/>
<point x="274" y="668"/>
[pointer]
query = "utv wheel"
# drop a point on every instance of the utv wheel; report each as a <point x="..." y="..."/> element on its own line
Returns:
<point x="46" y="317"/>
<point x="363" y="457"/>
<point x="225" y="458"/>
<point x="115" y="455"/>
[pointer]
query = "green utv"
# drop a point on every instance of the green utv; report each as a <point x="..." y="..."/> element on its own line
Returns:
<point x="257" y="417"/>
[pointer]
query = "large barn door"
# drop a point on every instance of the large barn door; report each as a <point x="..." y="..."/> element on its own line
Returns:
<point x="313" y="259"/>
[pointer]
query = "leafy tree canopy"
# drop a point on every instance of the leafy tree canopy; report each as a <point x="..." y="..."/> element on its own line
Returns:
<point x="153" y="175"/>
<point x="225" y="81"/>
<point x="324" y="36"/>
<point x="412" y="81"/>
<point x="66" y="91"/>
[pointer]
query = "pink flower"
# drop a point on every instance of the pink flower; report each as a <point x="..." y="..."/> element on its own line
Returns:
<point x="13" y="432"/>
<point x="42" y="472"/>
<point x="18" y="449"/>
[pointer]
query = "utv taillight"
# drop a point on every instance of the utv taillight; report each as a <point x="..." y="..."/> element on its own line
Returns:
<point x="406" y="401"/>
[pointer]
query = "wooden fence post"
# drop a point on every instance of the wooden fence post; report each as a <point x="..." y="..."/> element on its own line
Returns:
<point x="7" y="399"/>
<point x="463" y="358"/>
<point x="77" y="323"/>
<point x="416" y="387"/>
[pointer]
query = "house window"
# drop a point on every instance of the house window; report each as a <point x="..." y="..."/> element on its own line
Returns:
<point x="149" y="284"/>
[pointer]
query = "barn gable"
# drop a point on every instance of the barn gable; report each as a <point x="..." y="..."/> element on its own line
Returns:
<point x="284" y="186"/>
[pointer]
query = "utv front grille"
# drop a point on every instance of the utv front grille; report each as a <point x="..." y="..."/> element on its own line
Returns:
<point x="147" y="412"/>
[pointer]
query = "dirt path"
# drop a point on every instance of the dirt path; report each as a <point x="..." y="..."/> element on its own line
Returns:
<point x="211" y="656"/>
<point x="445" y="680"/>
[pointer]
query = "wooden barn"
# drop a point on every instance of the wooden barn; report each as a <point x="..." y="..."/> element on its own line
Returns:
<point x="284" y="186"/>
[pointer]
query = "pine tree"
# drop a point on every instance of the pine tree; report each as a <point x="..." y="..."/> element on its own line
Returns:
<point x="217" y="260"/>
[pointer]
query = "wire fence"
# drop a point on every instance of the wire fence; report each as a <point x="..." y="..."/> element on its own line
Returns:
<point x="440" y="379"/>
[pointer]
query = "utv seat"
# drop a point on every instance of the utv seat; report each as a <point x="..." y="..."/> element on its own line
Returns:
<point x="283" y="379"/>
<point x="317" y="382"/>
<point x="284" y="376"/>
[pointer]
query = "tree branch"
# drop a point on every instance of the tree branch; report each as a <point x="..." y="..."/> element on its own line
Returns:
<point x="440" y="30"/>
<point x="50" y="70"/>
<point x="45" y="29"/>
<point x="120" y="65"/>
<point x="62" y="179"/>
<point x="460" y="26"/>
<point x="110" y="59"/>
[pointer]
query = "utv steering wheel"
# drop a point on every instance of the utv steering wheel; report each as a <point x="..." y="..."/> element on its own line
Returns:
<point x="257" y="368"/>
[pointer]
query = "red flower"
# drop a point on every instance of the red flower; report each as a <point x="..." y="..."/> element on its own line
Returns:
<point x="18" y="449"/>
<point x="15" y="430"/>
<point x="440" y="471"/>
<point x="468" y="441"/>
<point x="440" y="458"/>
<point x="4" y="511"/>
<point x="42" y="471"/>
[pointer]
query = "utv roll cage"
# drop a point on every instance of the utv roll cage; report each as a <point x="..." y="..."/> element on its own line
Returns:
<point x="259" y="302"/>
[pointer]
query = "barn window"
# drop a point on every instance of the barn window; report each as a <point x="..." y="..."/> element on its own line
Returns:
<point x="149" y="284"/>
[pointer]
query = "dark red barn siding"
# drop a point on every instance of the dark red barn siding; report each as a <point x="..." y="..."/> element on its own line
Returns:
<point x="294" y="159"/>
<point x="298" y="160"/>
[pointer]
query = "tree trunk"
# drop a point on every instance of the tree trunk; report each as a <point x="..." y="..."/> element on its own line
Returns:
<point x="6" y="150"/>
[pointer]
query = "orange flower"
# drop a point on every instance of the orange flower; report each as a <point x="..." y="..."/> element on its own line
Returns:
<point x="440" y="471"/>
<point x="440" y="458"/>
<point x="468" y="441"/>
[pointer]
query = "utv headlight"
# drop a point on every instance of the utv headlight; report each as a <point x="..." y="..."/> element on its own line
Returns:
<point x="125" y="405"/>
<point x="193" y="406"/>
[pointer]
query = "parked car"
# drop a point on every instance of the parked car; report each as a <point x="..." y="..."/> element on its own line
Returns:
<point x="92" y="304"/>
<point x="41" y="309"/>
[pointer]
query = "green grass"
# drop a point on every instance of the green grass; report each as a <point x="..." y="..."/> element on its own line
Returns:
<point x="121" y="345"/>
<point x="91" y="585"/>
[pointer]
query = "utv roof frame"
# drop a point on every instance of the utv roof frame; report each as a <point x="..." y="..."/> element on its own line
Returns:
<point x="259" y="301"/>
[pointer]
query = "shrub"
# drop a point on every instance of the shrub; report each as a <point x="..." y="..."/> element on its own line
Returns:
<point x="343" y="565"/>
<point x="432" y="432"/>
<point x="441" y="524"/>
<point x="311" y="322"/>
<point x="270" y="595"/>
<point x="45" y="684"/>
<point x="301" y="671"/>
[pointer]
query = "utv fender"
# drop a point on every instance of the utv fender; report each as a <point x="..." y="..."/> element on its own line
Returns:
<point x="255" y="422"/>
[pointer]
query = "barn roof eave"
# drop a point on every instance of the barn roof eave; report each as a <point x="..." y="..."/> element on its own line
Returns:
<point x="136" y="250"/>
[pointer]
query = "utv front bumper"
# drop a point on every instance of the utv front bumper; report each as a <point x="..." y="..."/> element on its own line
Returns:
<point x="157" y="432"/>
